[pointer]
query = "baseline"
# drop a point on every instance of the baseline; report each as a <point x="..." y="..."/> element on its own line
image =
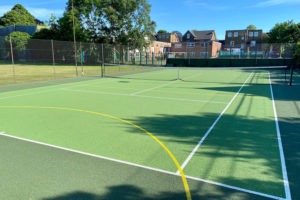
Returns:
<point x="171" y="155"/>
<point x="137" y="165"/>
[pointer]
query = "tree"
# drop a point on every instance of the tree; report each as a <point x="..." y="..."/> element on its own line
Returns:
<point x="114" y="21"/>
<point x="162" y="32"/>
<point x="18" y="15"/>
<point x="19" y="40"/>
<point x="251" y="27"/>
<point x="297" y="54"/>
<point x="286" y="32"/>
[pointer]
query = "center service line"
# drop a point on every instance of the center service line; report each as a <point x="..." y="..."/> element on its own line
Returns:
<point x="213" y="125"/>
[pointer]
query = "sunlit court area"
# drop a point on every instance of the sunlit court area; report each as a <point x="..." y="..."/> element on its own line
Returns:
<point x="150" y="133"/>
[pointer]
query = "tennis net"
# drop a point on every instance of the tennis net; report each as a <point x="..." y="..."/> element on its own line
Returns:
<point x="195" y="74"/>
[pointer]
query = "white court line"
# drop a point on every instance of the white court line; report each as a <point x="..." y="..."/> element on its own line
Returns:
<point x="282" y="158"/>
<point x="213" y="125"/>
<point x="86" y="154"/>
<point x="139" y="166"/>
<point x="41" y="90"/>
<point x="153" y="88"/>
<point x="28" y="94"/>
<point x="234" y="188"/>
<point x="146" y="96"/>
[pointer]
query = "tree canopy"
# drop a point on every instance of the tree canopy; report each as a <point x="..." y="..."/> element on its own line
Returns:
<point x="109" y="21"/>
<point x="251" y="27"/>
<point x="286" y="32"/>
<point x="18" y="40"/>
<point x="18" y="15"/>
<point x="162" y="32"/>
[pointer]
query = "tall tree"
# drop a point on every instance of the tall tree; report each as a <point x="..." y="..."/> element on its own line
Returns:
<point x="115" y="21"/>
<point x="18" y="15"/>
<point x="286" y="32"/>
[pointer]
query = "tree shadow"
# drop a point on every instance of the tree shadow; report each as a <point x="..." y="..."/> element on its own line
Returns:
<point x="131" y="192"/>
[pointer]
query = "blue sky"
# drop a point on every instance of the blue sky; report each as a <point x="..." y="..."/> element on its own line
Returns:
<point x="183" y="15"/>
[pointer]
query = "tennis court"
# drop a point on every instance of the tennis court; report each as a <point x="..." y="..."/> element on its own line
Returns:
<point x="151" y="133"/>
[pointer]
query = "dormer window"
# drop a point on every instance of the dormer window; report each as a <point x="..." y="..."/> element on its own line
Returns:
<point x="188" y="36"/>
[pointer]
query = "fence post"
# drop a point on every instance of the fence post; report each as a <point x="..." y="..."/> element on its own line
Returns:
<point x="140" y="57"/>
<point x="102" y="66"/>
<point x="81" y="55"/>
<point x="53" y="58"/>
<point x="152" y="58"/>
<point x="12" y="59"/>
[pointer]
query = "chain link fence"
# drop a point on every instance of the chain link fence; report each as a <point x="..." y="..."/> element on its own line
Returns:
<point x="38" y="60"/>
<point x="62" y="53"/>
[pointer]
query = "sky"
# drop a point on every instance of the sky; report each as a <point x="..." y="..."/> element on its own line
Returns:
<point x="184" y="15"/>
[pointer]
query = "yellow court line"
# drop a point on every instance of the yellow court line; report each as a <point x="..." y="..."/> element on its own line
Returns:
<point x="178" y="166"/>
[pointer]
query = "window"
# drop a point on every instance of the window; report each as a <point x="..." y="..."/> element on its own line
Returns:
<point x="250" y="34"/>
<point x="188" y="36"/>
<point x="236" y="34"/>
<point x="231" y="43"/>
<point x="252" y="43"/>
<point x="178" y="46"/>
<point x="191" y="45"/>
<point x="229" y="34"/>
<point x="191" y="54"/>
<point x="203" y="54"/>
<point x="242" y="46"/>
<point x="255" y="34"/>
<point x="203" y="44"/>
<point x="243" y="38"/>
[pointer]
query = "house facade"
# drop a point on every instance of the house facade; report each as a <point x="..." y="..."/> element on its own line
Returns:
<point x="197" y="44"/>
<point x="243" y="41"/>
<point x="167" y="37"/>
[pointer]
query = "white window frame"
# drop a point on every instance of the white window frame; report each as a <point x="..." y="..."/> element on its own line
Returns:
<point x="229" y="34"/>
<point x="256" y="34"/>
<point x="252" y="43"/>
<point x="235" y="34"/>
<point x="250" y="34"/>
<point x="190" y="45"/>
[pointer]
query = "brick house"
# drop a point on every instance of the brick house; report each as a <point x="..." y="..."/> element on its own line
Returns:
<point x="167" y="37"/>
<point x="197" y="44"/>
<point x="243" y="41"/>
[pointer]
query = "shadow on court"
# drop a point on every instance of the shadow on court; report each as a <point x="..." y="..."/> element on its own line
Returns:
<point x="131" y="192"/>
<point x="289" y="121"/>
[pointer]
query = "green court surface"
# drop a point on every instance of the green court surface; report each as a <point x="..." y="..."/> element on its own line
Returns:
<point x="168" y="133"/>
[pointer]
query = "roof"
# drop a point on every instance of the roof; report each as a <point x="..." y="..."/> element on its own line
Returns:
<point x="203" y="35"/>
